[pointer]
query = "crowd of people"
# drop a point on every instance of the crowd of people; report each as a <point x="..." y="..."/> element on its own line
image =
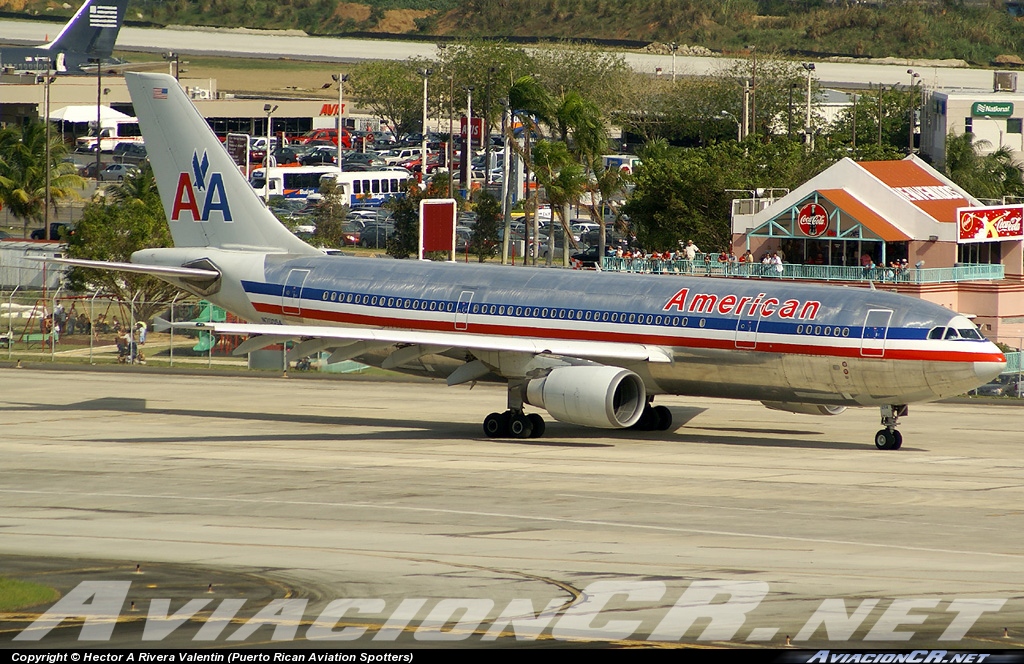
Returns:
<point x="127" y="338"/>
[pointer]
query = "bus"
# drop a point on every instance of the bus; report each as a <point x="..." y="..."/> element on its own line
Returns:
<point x="358" y="188"/>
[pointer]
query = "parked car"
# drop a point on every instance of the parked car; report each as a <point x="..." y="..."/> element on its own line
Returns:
<point x="320" y="155"/>
<point x="117" y="172"/>
<point x="376" y="235"/>
<point x="1005" y="385"/>
<point x="58" y="231"/>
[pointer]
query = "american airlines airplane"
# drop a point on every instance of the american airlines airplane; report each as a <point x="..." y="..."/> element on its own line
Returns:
<point x="90" y="34"/>
<point x="592" y="349"/>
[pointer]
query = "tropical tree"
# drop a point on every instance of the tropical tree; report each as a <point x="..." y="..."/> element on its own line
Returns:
<point x="329" y="216"/>
<point x="392" y="90"/>
<point x="564" y="180"/>
<point x="23" y="172"/>
<point x="128" y="219"/>
<point x="531" y="105"/>
<point x="990" y="176"/>
<point x="485" y="231"/>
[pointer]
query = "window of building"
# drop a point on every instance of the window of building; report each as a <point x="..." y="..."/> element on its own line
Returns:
<point x="969" y="125"/>
<point x="1014" y="125"/>
<point x="979" y="253"/>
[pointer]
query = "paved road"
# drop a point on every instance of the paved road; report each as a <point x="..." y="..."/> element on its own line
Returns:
<point x="280" y="45"/>
<point x="325" y="490"/>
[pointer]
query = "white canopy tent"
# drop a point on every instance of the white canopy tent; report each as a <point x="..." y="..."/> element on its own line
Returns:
<point x="85" y="114"/>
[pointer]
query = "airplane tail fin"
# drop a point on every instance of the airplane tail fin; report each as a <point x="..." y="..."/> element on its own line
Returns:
<point x="208" y="201"/>
<point x="93" y="29"/>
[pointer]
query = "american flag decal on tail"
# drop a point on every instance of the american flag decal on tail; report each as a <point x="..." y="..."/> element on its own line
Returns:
<point x="103" y="16"/>
<point x="159" y="93"/>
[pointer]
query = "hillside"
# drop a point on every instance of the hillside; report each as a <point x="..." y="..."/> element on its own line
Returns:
<point x="977" y="33"/>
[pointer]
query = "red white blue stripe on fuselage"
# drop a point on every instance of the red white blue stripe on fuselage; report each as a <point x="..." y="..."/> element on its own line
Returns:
<point x="641" y="323"/>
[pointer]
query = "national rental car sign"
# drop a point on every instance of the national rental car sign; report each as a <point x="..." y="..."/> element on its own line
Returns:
<point x="1000" y="108"/>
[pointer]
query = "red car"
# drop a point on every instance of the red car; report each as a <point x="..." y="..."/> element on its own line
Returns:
<point x="326" y="135"/>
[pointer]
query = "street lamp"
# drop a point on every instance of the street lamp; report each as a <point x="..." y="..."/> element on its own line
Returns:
<point x="425" y="73"/>
<point x="340" y="79"/>
<point x="910" y="130"/>
<point x="468" y="158"/>
<point x="172" y="61"/>
<point x="675" y="47"/>
<point x="739" y="127"/>
<point x="999" y="127"/>
<point x="46" y="114"/>
<point x="269" y="110"/>
<point x="808" y="134"/>
<point x="99" y="97"/>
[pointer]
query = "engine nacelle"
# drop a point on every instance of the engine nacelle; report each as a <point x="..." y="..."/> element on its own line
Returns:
<point x="804" y="408"/>
<point x="593" y="396"/>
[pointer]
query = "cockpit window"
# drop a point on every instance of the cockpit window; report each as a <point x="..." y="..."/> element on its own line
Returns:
<point x="936" y="333"/>
<point x="951" y="333"/>
<point x="970" y="333"/>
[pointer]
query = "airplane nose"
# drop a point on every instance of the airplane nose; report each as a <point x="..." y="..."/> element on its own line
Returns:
<point x="987" y="371"/>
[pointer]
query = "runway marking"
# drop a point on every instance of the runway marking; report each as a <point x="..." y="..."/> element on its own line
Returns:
<point x="756" y="510"/>
<point x="505" y="515"/>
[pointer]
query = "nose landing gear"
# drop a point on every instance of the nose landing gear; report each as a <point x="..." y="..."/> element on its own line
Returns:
<point x="889" y="438"/>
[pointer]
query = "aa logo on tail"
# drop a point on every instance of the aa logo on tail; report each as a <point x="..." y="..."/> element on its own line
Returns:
<point x="199" y="185"/>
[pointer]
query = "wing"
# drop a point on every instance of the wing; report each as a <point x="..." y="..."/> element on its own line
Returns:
<point x="348" y="342"/>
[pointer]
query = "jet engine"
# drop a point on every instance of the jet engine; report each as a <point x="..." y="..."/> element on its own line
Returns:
<point x="593" y="396"/>
<point x="804" y="408"/>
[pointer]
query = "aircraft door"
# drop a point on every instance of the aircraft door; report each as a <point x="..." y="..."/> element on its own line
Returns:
<point x="462" y="310"/>
<point x="291" y="294"/>
<point x="876" y="328"/>
<point x="746" y="329"/>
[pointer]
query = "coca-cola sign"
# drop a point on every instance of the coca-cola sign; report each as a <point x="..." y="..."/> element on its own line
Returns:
<point x="989" y="224"/>
<point x="813" y="220"/>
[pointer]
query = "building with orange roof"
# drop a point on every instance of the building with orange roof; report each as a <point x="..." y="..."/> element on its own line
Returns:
<point x="896" y="224"/>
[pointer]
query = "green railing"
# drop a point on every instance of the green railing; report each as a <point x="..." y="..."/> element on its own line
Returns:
<point x="983" y="272"/>
<point x="1013" y="364"/>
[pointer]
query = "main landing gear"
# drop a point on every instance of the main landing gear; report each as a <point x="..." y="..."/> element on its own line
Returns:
<point x="654" y="418"/>
<point x="514" y="424"/>
<point x="889" y="438"/>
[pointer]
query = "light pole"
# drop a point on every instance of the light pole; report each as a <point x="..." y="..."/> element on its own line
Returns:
<point x="340" y="79"/>
<point x="999" y="127"/>
<point x="46" y="118"/>
<point x="172" y="61"/>
<point x="753" y="92"/>
<point x="269" y="110"/>
<point x="425" y="73"/>
<point x="808" y="133"/>
<point x="789" y="125"/>
<point x="739" y="127"/>
<point x="99" y="92"/>
<point x="468" y="158"/>
<point x="675" y="47"/>
<point x="910" y="130"/>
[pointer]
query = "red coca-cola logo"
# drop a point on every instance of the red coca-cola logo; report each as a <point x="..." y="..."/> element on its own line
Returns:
<point x="813" y="220"/>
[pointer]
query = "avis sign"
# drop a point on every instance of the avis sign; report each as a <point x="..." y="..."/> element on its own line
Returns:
<point x="988" y="224"/>
<point x="812" y="220"/>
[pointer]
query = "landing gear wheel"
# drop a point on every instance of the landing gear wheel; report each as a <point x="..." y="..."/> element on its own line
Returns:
<point x="887" y="439"/>
<point x="647" y="420"/>
<point x="496" y="425"/>
<point x="663" y="417"/>
<point x="520" y="426"/>
<point x="538" y="425"/>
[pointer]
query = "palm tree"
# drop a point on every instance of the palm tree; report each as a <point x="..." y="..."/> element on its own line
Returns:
<point x="990" y="176"/>
<point x="137" y="186"/>
<point x="23" y="172"/>
<point x="531" y="104"/>
<point x="564" y="180"/>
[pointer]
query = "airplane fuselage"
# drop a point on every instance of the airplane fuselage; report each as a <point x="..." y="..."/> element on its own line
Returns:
<point x="763" y="339"/>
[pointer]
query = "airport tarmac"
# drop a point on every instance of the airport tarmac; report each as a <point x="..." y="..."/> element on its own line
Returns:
<point x="265" y="488"/>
